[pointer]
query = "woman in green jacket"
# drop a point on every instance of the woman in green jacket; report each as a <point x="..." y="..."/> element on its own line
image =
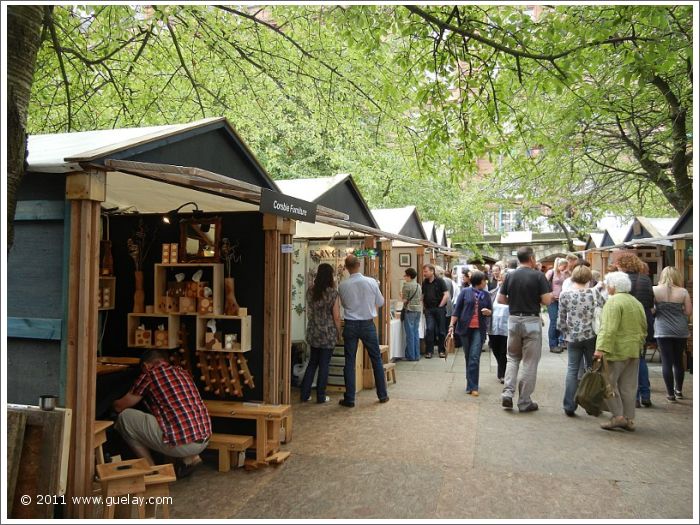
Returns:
<point x="623" y="331"/>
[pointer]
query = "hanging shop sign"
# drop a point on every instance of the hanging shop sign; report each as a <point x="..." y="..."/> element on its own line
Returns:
<point x="286" y="206"/>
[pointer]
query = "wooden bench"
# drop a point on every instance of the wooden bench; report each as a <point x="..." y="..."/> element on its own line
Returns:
<point x="229" y="447"/>
<point x="158" y="485"/>
<point x="390" y="372"/>
<point x="268" y="423"/>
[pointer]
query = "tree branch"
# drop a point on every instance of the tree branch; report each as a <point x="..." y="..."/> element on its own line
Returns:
<point x="48" y="20"/>
<point x="171" y="30"/>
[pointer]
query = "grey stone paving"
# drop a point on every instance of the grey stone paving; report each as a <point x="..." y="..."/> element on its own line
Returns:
<point x="435" y="452"/>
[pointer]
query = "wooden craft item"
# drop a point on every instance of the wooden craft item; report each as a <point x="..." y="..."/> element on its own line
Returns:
<point x="212" y="341"/>
<point x="177" y="288"/>
<point x="188" y="305"/>
<point x="242" y="311"/>
<point x="99" y="298"/>
<point x="223" y="374"/>
<point x="173" y="252"/>
<point x="142" y="337"/>
<point x="171" y="304"/>
<point x="161" y="338"/>
<point x="106" y="297"/>
<point x="203" y="366"/>
<point x="233" y="369"/>
<point x="195" y="288"/>
<point x="165" y="257"/>
<point x="244" y="370"/>
<point x="206" y="305"/>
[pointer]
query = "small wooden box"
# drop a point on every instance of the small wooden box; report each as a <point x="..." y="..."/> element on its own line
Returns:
<point x="168" y="305"/>
<point x="142" y="337"/>
<point x="195" y="289"/>
<point x="173" y="252"/>
<point x="212" y="341"/>
<point x="99" y="298"/>
<point x="205" y="305"/>
<point x="188" y="305"/>
<point x="161" y="339"/>
<point x="242" y="312"/>
<point x="165" y="257"/>
<point x="106" y="297"/>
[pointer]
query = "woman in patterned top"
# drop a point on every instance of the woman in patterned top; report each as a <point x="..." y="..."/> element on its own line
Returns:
<point x="575" y="321"/>
<point x="323" y="310"/>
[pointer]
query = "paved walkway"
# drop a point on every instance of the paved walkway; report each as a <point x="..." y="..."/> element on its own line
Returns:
<point x="435" y="452"/>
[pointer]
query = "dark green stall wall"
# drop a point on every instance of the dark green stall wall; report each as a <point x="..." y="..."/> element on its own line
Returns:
<point x="248" y="274"/>
<point x="35" y="277"/>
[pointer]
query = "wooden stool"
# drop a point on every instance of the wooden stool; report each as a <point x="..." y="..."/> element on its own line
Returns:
<point x="158" y="485"/>
<point x="121" y="479"/>
<point x="390" y="372"/>
<point x="99" y="429"/>
<point x="229" y="447"/>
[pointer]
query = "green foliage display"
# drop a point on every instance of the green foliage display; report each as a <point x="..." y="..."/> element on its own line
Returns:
<point x="404" y="98"/>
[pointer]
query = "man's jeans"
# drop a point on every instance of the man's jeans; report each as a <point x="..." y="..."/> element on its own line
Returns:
<point x="411" y="324"/>
<point x="554" y="334"/>
<point x="579" y="351"/>
<point x="434" y="328"/>
<point x="366" y="332"/>
<point x="472" y="355"/>
<point x="524" y="344"/>
<point x="644" y="389"/>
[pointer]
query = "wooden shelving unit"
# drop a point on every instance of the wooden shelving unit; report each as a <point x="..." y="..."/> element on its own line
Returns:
<point x="170" y="321"/>
<point x="160" y="282"/>
<point x="240" y="326"/>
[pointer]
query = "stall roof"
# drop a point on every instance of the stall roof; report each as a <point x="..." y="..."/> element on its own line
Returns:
<point x="402" y="221"/>
<point x="613" y="236"/>
<point x="429" y="228"/>
<point x="210" y="144"/>
<point x="648" y="227"/>
<point x="594" y="240"/>
<point x="684" y="224"/>
<point x="338" y="192"/>
<point x="441" y="235"/>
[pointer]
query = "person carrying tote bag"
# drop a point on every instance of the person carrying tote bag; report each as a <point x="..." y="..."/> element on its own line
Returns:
<point x="411" y="313"/>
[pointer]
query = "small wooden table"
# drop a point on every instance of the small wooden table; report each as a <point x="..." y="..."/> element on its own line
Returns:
<point x="268" y="422"/>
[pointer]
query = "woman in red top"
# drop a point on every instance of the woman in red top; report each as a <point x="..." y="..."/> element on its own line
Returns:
<point x="470" y="321"/>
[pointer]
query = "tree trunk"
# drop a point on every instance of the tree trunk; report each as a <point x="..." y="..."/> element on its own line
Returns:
<point x="24" y="23"/>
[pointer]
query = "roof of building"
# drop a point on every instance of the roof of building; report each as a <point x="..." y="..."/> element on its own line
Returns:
<point x="649" y="227"/>
<point x="210" y="143"/>
<point x="429" y="228"/>
<point x="404" y="221"/>
<point x="684" y="224"/>
<point x="338" y="192"/>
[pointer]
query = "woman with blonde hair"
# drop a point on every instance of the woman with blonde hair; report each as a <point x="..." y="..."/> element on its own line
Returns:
<point x="556" y="277"/>
<point x="673" y="307"/>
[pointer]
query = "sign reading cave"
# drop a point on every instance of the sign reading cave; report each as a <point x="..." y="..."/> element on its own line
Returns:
<point x="286" y="206"/>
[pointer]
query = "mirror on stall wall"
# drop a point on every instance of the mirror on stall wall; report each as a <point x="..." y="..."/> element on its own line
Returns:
<point x="200" y="239"/>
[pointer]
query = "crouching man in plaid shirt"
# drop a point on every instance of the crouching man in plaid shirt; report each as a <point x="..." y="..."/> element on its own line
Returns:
<point x="178" y="426"/>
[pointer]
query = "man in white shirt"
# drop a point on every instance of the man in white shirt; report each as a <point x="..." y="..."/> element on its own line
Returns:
<point x="360" y="297"/>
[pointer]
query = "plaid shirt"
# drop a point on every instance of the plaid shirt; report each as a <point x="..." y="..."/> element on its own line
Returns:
<point x="172" y="397"/>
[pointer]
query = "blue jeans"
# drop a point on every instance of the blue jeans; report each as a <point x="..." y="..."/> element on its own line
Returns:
<point x="410" y="326"/>
<point x="554" y="334"/>
<point x="578" y="351"/>
<point x="366" y="332"/>
<point x="644" y="389"/>
<point x="321" y="359"/>
<point x="472" y="355"/>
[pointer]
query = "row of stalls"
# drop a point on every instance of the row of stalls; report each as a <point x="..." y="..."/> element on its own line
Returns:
<point x="97" y="274"/>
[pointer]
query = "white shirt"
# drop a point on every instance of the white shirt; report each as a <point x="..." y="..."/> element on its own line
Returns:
<point x="360" y="297"/>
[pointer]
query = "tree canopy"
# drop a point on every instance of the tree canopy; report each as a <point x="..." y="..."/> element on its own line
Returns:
<point x="405" y="98"/>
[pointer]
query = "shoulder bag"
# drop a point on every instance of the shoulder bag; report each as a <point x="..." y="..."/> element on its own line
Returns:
<point x="594" y="388"/>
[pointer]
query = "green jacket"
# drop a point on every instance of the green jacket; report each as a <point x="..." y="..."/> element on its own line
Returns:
<point x="623" y="328"/>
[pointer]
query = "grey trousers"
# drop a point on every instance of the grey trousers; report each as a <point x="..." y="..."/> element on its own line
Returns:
<point x="524" y="345"/>
<point x="623" y="378"/>
<point x="140" y="428"/>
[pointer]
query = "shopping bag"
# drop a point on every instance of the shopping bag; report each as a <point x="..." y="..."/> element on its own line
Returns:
<point x="594" y="388"/>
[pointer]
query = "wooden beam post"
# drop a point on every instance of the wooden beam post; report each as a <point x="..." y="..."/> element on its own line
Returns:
<point x="420" y="255"/>
<point x="287" y="234"/>
<point x="679" y="257"/>
<point x="386" y="292"/>
<point x="604" y="255"/>
<point x="84" y="190"/>
<point x="272" y="226"/>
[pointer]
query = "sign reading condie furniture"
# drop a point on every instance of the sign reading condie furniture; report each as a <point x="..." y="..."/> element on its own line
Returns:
<point x="286" y="206"/>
